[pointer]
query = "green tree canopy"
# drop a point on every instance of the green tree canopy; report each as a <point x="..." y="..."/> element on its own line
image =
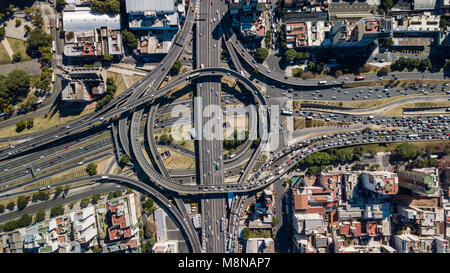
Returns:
<point x="129" y="38"/>
<point x="91" y="169"/>
<point x="56" y="211"/>
<point x="261" y="54"/>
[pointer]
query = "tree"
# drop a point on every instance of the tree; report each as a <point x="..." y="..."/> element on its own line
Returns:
<point x="58" y="190"/>
<point x="406" y="151"/>
<point x="40" y="216"/>
<point x="27" y="28"/>
<point x="2" y="32"/>
<point x="125" y="159"/>
<point x="261" y="54"/>
<point x="275" y="222"/>
<point x="149" y="229"/>
<point x="37" y="20"/>
<point x="106" y="6"/>
<point x="85" y="202"/>
<point x="95" y="198"/>
<point x="17" y="57"/>
<point x="307" y="75"/>
<point x="96" y="249"/>
<point x="148" y="205"/>
<point x="11" y="205"/>
<point x="56" y="211"/>
<point x="30" y="123"/>
<point x="21" y="125"/>
<point x="91" y="169"/>
<point x="389" y="42"/>
<point x="290" y="54"/>
<point x="108" y="57"/>
<point x="22" y="201"/>
<point x="129" y="38"/>
<point x="246" y="233"/>
<point x="38" y="38"/>
<point x="176" y="67"/>
<point x="18" y="83"/>
<point x="25" y="220"/>
<point x="382" y="72"/>
<point x="2" y="208"/>
<point x="60" y="4"/>
<point x="18" y="22"/>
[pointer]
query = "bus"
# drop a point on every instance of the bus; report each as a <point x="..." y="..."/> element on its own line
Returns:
<point x="193" y="75"/>
<point x="53" y="77"/>
<point x="229" y="244"/>
<point x="286" y="112"/>
<point x="221" y="225"/>
<point x="53" y="46"/>
<point x="360" y="78"/>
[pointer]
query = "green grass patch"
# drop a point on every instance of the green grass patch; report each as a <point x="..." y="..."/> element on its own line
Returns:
<point x="19" y="46"/>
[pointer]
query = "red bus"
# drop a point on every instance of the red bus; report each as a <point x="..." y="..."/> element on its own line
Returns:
<point x="360" y="78"/>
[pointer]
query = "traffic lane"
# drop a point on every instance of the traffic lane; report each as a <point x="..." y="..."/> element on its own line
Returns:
<point x="29" y="158"/>
<point x="350" y="94"/>
<point x="45" y="205"/>
<point x="51" y="162"/>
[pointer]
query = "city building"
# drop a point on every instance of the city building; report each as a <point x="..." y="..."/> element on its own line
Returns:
<point x="83" y="19"/>
<point x="260" y="245"/>
<point x="306" y="33"/>
<point x="156" y="23"/>
<point x="381" y="182"/>
<point x="94" y="43"/>
<point x="81" y="84"/>
<point x="423" y="182"/>
<point x="152" y="15"/>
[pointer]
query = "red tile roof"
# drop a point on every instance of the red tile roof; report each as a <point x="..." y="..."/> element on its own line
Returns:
<point x="372" y="229"/>
<point x="300" y="201"/>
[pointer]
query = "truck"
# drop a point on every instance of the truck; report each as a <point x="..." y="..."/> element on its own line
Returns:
<point x="286" y="113"/>
<point x="322" y="82"/>
<point x="53" y="77"/>
<point x="217" y="166"/>
<point x="53" y="46"/>
<point x="105" y="177"/>
<point x="412" y="135"/>
<point x="221" y="225"/>
<point x="371" y="117"/>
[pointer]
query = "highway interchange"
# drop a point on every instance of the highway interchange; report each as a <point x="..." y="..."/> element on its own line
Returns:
<point x="69" y="144"/>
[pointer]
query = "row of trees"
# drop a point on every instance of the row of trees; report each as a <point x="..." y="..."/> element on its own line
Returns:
<point x="319" y="161"/>
<point x="22" y="124"/>
<point x="268" y="39"/>
<point x="231" y="144"/>
<point x="111" y="89"/>
<point x="291" y="55"/>
<point x="106" y="6"/>
<point x="411" y="64"/>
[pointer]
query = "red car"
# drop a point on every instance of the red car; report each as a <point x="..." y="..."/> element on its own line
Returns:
<point x="66" y="147"/>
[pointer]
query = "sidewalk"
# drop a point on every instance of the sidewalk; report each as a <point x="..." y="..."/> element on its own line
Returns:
<point x="32" y="67"/>
<point x="10" y="52"/>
